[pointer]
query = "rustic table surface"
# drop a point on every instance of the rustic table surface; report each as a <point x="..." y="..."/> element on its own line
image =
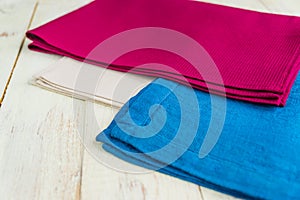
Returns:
<point x="41" y="155"/>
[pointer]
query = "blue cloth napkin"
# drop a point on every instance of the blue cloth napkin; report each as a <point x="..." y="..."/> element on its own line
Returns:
<point x="166" y="126"/>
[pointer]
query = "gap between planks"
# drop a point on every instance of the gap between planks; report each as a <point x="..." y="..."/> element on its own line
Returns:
<point x="18" y="54"/>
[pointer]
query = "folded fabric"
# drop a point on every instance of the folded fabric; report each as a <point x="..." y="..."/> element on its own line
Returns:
<point x="256" y="155"/>
<point x="109" y="87"/>
<point x="257" y="54"/>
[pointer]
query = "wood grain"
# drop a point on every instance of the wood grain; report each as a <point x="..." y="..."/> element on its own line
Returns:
<point x="15" y="17"/>
<point x="103" y="181"/>
<point x="40" y="150"/>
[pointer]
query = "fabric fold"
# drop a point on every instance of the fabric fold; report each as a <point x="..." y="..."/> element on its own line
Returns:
<point x="108" y="87"/>
<point x="256" y="155"/>
<point x="256" y="54"/>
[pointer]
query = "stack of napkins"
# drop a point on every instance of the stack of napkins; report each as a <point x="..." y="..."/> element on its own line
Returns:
<point x="112" y="88"/>
<point x="256" y="54"/>
<point x="241" y="139"/>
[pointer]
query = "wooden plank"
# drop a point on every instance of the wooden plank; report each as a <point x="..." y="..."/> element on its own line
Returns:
<point x="15" y="17"/>
<point x="57" y="8"/>
<point x="99" y="181"/>
<point x="102" y="182"/>
<point x="40" y="151"/>
<point x="209" y="194"/>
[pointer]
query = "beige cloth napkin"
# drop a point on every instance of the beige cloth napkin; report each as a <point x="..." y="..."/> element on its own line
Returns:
<point x="103" y="85"/>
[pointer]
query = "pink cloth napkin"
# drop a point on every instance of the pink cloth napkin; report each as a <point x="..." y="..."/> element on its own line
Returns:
<point x="257" y="54"/>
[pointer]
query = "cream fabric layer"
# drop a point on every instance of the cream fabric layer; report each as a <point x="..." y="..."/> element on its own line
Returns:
<point x="109" y="87"/>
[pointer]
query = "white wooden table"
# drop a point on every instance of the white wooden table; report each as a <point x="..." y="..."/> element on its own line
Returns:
<point x="41" y="155"/>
